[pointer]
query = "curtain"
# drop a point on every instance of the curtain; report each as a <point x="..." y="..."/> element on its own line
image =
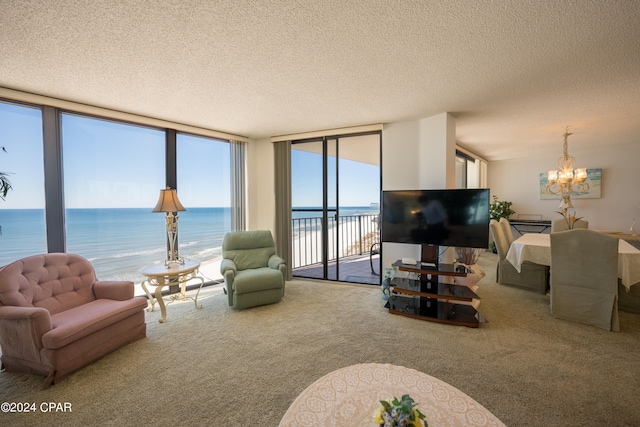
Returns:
<point x="238" y="193"/>
<point x="282" y="155"/>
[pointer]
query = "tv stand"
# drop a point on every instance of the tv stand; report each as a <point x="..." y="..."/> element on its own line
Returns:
<point x="430" y="254"/>
<point x="429" y="299"/>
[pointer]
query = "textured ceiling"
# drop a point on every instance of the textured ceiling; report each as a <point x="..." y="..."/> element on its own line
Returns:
<point x="513" y="73"/>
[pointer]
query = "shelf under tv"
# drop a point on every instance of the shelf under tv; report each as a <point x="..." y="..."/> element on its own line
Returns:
<point x="434" y="310"/>
<point x="429" y="299"/>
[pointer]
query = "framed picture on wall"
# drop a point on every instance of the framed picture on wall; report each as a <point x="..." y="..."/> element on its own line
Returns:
<point x="594" y="181"/>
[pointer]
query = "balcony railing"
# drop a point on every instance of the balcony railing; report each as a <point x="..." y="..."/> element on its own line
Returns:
<point x="353" y="235"/>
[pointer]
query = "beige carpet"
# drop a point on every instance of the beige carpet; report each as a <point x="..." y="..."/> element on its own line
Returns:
<point x="221" y="367"/>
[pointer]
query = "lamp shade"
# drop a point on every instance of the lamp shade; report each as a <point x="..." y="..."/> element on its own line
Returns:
<point x="168" y="202"/>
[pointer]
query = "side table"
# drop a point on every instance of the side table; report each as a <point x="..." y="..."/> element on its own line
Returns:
<point x="160" y="275"/>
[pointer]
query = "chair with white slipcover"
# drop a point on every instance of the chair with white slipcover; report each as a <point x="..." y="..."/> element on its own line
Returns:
<point x="506" y="229"/>
<point x="584" y="278"/>
<point x="532" y="276"/>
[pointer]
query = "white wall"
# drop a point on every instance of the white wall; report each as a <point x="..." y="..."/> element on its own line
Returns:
<point x="405" y="154"/>
<point x="437" y="152"/>
<point x="417" y="155"/>
<point x="400" y="171"/>
<point x="261" y="194"/>
<point x="518" y="181"/>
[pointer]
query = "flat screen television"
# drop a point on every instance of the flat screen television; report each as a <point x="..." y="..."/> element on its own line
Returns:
<point x="457" y="217"/>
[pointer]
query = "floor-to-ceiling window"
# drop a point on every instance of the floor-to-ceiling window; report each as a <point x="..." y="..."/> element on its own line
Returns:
<point x="88" y="184"/>
<point x="335" y="207"/>
<point x="22" y="219"/>
<point x="467" y="171"/>
<point x="112" y="176"/>
<point x="204" y="188"/>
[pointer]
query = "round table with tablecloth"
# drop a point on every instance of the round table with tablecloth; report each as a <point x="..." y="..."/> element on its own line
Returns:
<point x="349" y="397"/>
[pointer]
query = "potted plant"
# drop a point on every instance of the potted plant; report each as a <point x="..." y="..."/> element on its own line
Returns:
<point x="499" y="209"/>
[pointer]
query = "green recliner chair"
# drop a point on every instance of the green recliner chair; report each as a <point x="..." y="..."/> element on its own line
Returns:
<point x="253" y="273"/>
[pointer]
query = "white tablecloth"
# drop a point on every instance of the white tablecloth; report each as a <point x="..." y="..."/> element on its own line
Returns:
<point x="349" y="397"/>
<point x="537" y="248"/>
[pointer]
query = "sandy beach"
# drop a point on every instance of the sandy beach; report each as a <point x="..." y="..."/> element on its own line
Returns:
<point x="307" y="246"/>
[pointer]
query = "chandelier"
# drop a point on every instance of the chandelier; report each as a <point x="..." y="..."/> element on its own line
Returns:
<point x="566" y="179"/>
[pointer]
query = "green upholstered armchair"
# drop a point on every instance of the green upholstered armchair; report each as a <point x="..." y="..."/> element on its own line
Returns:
<point x="253" y="273"/>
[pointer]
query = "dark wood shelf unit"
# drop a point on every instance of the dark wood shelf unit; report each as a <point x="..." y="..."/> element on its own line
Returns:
<point x="434" y="310"/>
<point x="434" y="269"/>
<point x="429" y="299"/>
<point x="433" y="290"/>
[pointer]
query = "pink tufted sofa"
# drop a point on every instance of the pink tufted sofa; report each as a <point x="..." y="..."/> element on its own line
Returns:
<point x="56" y="317"/>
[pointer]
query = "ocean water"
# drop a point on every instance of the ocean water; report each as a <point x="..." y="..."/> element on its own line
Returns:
<point x="120" y="242"/>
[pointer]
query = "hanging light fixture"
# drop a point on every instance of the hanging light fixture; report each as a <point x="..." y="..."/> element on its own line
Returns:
<point x="566" y="179"/>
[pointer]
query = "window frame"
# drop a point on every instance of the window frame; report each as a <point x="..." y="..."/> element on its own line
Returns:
<point x="53" y="161"/>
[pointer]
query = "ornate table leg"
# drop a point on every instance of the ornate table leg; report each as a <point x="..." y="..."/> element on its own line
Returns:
<point x="195" y="301"/>
<point x="163" y="309"/>
<point x="172" y="276"/>
<point x="183" y="288"/>
<point x="149" y="296"/>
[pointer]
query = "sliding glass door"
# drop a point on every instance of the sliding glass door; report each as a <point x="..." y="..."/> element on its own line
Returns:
<point x="309" y="208"/>
<point x="335" y="196"/>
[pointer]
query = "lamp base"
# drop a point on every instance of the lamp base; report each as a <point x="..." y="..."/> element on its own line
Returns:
<point x="170" y="262"/>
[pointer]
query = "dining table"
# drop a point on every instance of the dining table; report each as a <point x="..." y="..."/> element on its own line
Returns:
<point x="536" y="248"/>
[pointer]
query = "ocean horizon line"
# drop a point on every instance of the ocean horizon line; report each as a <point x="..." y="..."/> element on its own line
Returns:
<point x="121" y="241"/>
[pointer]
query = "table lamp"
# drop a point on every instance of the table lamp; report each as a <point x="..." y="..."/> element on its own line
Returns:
<point x="170" y="204"/>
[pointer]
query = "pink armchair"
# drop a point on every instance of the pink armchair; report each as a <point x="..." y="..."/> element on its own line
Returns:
<point x="56" y="317"/>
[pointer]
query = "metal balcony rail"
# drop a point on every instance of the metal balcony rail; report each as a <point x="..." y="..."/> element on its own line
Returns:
<point x="350" y="235"/>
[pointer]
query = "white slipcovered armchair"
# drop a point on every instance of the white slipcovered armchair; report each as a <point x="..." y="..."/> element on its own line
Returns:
<point x="584" y="278"/>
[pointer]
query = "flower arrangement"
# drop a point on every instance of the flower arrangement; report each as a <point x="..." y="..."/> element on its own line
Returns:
<point x="399" y="413"/>
<point x="500" y="209"/>
<point x="570" y="219"/>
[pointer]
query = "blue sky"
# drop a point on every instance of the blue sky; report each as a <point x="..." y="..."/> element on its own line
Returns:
<point x="109" y="164"/>
<point x="21" y="135"/>
<point x="359" y="182"/>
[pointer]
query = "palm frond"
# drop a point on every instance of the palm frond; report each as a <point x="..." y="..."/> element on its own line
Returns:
<point x="5" y="185"/>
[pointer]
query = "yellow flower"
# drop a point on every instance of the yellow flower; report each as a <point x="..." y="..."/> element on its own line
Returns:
<point x="377" y="415"/>
<point x="416" y="420"/>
